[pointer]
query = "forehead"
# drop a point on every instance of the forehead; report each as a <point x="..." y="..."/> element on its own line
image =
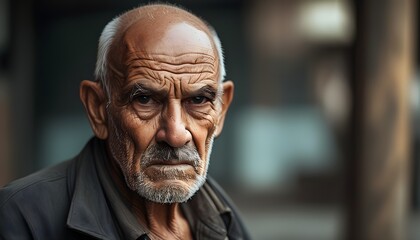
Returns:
<point x="162" y="43"/>
<point x="162" y="50"/>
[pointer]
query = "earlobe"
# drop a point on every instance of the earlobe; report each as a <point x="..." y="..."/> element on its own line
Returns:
<point x="228" y="90"/>
<point x="94" y="101"/>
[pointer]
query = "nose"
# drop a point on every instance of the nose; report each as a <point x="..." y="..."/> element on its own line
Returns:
<point x="173" y="129"/>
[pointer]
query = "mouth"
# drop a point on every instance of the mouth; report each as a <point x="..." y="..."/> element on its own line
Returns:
<point x="171" y="163"/>
<point x="177" y="169"/>
<point x="171" y="170"/>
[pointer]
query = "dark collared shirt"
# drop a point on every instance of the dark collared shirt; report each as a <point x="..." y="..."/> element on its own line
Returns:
<point x="69" y="201"/>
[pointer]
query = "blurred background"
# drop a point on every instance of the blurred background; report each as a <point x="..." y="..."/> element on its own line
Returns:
<point x="321" y="141"/>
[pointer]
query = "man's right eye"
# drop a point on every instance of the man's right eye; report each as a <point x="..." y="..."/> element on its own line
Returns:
<point x="143" y="99"/>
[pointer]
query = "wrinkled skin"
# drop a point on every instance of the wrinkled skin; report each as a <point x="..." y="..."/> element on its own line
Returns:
<point x="164" y="91"/>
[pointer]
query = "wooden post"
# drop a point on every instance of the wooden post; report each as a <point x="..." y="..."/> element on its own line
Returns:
<point x="380" y="130"/>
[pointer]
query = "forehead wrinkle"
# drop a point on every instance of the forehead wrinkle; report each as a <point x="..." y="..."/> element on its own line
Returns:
<point x="177" y="88"/>
<point x="180" y="67"/>
<point x="185" y="63"/>
<point x="200" y="56"/>
<point x="140" y="69"/>
<point x="202" y="78"/>
<point x="193" y="80"/>
<point x="164" y="77"/>
<point x="115" y="71"/>
<point x="162" y="83"/>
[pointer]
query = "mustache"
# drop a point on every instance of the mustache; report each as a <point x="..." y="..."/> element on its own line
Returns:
<point x="162" y="152"/>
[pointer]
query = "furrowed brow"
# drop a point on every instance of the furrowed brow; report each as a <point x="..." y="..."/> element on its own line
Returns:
<point x="139" y="89"/>
<point x="207" y="91"/>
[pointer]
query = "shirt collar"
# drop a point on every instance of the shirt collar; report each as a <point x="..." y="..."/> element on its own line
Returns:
<point x="204" y="213"/>
<point x="89" y="212"/>
<point x="127" y="222"/>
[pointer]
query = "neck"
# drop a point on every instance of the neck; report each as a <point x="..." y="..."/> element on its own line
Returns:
<point x="165" y="221"/>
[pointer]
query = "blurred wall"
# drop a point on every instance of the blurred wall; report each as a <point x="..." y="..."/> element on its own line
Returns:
<point x="281" y="152"/>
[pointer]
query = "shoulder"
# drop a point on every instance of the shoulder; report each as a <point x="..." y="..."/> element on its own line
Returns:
<point x="40" y="182"/>
<point x="38" y="199"/>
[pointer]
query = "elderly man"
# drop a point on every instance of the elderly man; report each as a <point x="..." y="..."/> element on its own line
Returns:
<point x="158" y="103"/>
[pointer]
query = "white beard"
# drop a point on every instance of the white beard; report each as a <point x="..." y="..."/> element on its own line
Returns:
<point x="141" y="184"/>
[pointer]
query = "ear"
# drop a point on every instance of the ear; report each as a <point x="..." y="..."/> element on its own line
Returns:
<point x="94" y="100"/>
<point x="228" y="89"/>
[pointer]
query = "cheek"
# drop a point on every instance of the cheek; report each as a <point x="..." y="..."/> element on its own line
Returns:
<point x="119" y="144"/>
<point x="142" y="133"/>
<point x="136" y="135"/>
<point x="202" y="132"/>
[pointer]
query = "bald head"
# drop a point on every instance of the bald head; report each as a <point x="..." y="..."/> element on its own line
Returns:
<point x="156" y="29"/>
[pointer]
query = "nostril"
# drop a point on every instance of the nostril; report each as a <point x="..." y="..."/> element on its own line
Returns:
<point x="175" y="137"/>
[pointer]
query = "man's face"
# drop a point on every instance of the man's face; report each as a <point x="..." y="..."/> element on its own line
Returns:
<point x="164" y="110"/>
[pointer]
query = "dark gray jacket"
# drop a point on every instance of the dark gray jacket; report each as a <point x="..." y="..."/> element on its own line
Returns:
<point x="67" y="202"/>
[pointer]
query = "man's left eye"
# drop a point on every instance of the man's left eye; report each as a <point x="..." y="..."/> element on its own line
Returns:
<point x="199" y="100"/>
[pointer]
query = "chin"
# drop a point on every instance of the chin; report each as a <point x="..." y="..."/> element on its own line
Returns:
<point x="166" y="190"/>
<point x="170" y="190"/>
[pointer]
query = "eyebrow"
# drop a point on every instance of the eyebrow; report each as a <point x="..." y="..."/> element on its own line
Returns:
<point x="207" y="91"/>
<point x="139" y="89"/>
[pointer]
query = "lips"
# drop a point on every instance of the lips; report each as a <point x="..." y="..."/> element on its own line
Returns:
<point x="170" y="163"/>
